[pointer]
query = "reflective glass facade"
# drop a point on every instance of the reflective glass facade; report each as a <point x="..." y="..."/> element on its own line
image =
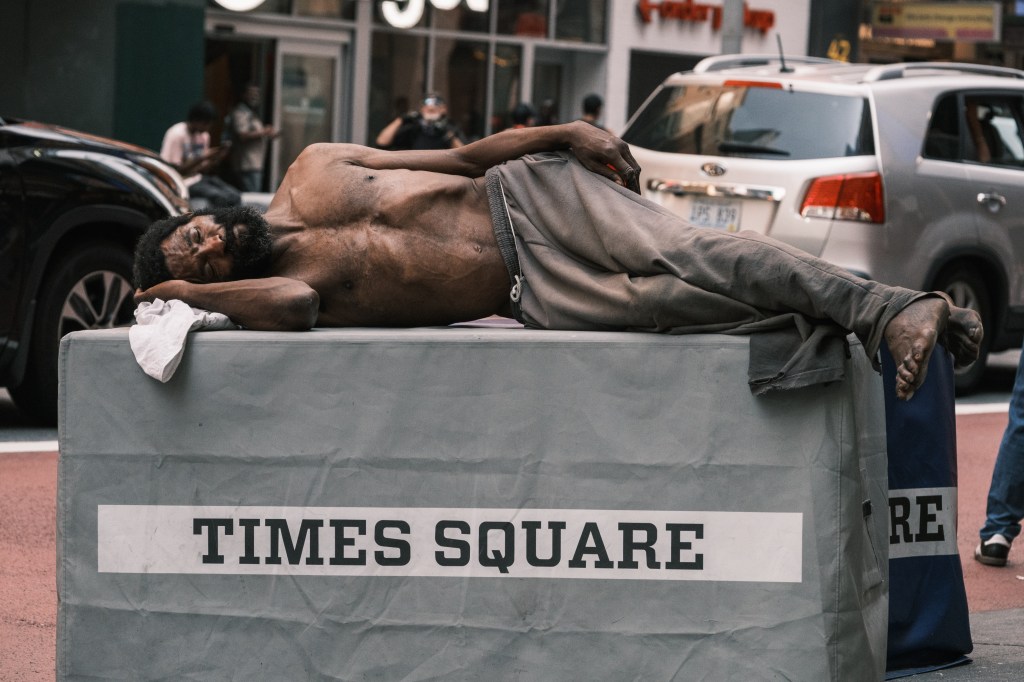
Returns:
<point x="483" y="63"/>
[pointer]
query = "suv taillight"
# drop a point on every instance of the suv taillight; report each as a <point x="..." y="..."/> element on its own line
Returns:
<point x="854" y="196"/>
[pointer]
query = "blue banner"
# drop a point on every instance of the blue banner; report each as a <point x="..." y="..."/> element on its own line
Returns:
<point x="929" y="626"/>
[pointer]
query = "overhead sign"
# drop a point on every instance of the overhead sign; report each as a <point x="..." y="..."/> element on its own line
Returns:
<point x="407" y="14"/>
<point x="973" y="22"/>
<point x="696" y="12"/>
<point x="240" y="5"/>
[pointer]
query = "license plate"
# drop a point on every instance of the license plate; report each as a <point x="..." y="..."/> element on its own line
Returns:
<point x="719" y="214"/>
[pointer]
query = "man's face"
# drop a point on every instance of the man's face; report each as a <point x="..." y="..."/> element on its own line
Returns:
<point x="195" y="127"/>
<point x="433" y="112"/>
<point x="252" y="97"/>
<point x="228" y="244"/>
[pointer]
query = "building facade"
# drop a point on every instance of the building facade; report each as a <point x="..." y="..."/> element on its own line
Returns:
<point x="340" y="70"/>
<point x="343" y="69"/>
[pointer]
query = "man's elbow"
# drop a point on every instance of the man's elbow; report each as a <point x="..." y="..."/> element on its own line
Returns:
<point x="297" y="312"/>
<point x="302" y="311"/>
<point x="466" y="163"/>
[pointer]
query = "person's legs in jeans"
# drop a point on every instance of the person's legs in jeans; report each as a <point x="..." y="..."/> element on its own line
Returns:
<point x="1006" y="492"/>
<point x="250" y="180"/>
<point x="216" y="191"/>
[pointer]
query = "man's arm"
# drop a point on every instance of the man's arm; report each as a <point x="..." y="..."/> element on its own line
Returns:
<point x="597" y="150"/>
<point x="268" y="304"/>
<point x="209" y="160"/>
<point x="386" y="137"/>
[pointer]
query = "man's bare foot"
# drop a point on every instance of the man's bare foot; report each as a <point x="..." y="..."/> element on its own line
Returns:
<point x="915" y="330"/>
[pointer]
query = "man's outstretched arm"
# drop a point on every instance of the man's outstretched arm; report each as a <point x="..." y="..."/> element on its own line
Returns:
<point x="268" y="304"/>
<point x="596" y="149"/>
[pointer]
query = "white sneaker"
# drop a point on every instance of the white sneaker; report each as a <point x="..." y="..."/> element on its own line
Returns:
<point x="993" y="552"/>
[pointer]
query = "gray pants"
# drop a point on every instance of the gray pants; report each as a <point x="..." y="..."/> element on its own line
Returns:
<point x="595" y="256"/>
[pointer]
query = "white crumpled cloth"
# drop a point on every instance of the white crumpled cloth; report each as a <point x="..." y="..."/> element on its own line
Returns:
<point x="161" y="329"/>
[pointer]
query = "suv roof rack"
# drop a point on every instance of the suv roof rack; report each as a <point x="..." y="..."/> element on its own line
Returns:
<point x="734" y="61"/>
<point x="893" y="71"/>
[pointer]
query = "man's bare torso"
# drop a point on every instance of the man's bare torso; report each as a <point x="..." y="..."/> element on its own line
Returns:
<point x="387" y="247"/>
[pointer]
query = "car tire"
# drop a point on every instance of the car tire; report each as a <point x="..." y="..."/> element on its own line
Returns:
<point x="89" y="288"/>
<point x="968" y="290"/>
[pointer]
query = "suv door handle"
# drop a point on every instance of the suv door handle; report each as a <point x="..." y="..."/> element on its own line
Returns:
<point x="991" y="200"/>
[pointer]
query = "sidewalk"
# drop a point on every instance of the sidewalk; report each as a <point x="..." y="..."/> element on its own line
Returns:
<point x="998" y="654"/>
<point x="995" y="596"/>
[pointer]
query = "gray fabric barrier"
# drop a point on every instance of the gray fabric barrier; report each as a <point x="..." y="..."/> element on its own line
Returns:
<point x="466" y="504"/>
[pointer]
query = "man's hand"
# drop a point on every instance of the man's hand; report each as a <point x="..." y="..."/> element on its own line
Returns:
<point x="605" y="154"/>
<point x="165" y="291"/>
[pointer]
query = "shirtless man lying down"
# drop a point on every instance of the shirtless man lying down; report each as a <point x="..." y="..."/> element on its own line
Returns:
<point x="542" y="224"/>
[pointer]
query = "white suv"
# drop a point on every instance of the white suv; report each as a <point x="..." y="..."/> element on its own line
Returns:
<point x="910" y="174"/>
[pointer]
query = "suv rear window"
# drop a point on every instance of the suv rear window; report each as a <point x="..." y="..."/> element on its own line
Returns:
<point x="753" y="122"/>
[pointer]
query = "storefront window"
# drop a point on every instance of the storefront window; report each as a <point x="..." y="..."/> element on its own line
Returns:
<point x="482" y="81"/>
<point x="423" y="13"/>
<point x="581" y="20"/>
<point x="332" y="9"/>
<point x="507" y="86"/>
<point x="462" y="18"/>
<point x="402" y="13"/>
<point x="399" y="78"/>
<point x="460" y="76"/>
<point x="527" y="19"/>
<point x="547" y="84"/>
<point x="267" y="6"/>
<point x="307" y="104"/>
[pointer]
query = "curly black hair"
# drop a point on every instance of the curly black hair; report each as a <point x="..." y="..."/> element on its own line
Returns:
<point x="251" y="251"/>
<point x="150" y="265"/>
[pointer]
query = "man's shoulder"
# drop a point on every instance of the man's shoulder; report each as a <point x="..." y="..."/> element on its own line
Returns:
<point x="317" y="159"/>
<point x="174" y="140"/>
<point x="179" y="129"/>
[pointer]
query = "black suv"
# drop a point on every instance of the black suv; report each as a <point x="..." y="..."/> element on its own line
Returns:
<point x="71" y="207"/>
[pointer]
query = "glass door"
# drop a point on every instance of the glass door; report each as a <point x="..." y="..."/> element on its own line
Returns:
<point x="310" y="99"/>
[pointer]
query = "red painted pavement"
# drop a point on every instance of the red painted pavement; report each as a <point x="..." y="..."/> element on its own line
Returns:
<point x="28" y="587"/>
<point x="988" y="588"/>
<point x="28" y="594"/>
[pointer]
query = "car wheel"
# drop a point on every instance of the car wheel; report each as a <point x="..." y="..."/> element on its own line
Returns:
<point x="968" y="290"/>
<point x="88" y="289"/>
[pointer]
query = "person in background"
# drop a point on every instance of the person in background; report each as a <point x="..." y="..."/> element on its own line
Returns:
<point x="1005" y="507"/>
<point x="548" y="114"/>
<point x="186" y="146"/>
<point x="428" y="128"/>
<point x="523" y="116"/>
<point x="592" y="105"/>
<point x="249" y="136"/>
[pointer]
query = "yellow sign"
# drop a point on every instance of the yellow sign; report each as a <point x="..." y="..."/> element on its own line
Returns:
<point x="972" y="22"/>
<point x="839" y="49"/>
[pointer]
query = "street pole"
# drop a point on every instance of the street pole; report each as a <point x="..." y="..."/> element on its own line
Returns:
<point x="732" y="26"/>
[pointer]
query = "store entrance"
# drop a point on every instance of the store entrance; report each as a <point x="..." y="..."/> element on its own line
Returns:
<point x="307" y="105"/>
<point x="301" y="82"/>
<point x="232" y="64"/>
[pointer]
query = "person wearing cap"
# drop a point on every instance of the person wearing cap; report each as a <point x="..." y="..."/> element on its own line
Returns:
<point x="428" y="128"/>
